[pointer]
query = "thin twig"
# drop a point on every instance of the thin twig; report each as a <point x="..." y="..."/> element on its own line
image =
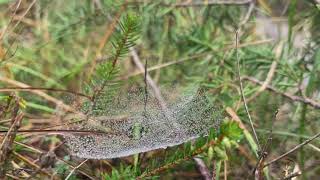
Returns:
<point x="75" y="168"/>
<point x="208" y="3"/>
<point x="225" y="167"/>
<point x="39" y="93"/>
<point x="2" y="34"/>
<point x="295" y="174"/>
<point x="248" y="14"/>
<point x="242" y="93"/>
<point x="258" y="170"/>
<point x="304" y="100"/>
<point x="60" y="131"/>
<point x="202" y="168"/>
<point x="195" y="56"/>
<point x="44" y="152"/>
<point x="31" y="163"/>
<point x="24" y="14"/>
<point x="154" y="87"/>
<point x="11" y="19"/>
<point x="17" y="23"/>
<point x="156" y="90"/>
<point x="293" y="149"/>
<point x="198" y="3"/>
<point x="10" y="89"/>
<point x="59" y="103"/>
<point x="145" y="83"/>
<point x="13" y="128"/>
<point x="7" y="141"/>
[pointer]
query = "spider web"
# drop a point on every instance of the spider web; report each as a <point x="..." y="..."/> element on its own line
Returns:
<point x="131" y="127"/>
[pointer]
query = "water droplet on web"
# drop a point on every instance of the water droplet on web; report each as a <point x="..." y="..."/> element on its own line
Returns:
<point x="128" y="130"/>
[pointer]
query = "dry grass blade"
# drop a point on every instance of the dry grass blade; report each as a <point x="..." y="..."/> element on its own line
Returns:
<point x="31" y="163"/>
<point x="7" y="141"/>
<point x="33" y="149"/>
<point x="12" y="130"/>
<point x="24" y="14"/>
<point x="28" y="89"/>
<point x="39" y="93"/>
<point x="58" y="132"/>
<point x="49" y="98"/>
<point x="198" y="3"/>
<point x="75" y="168"/>
<point x="7" y="26"/>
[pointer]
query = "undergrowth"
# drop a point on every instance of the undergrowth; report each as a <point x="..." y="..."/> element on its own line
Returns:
<point x="64" y="64"/>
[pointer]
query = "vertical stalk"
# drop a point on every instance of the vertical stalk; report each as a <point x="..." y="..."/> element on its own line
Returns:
<point x="136" y="135"/>
<point x="218" y="168"/>
<point x="137" y="126"/>
<point x="291" y="13"/>
<point x="302" y="132"/>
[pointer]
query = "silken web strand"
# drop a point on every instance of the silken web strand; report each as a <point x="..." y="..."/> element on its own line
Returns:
<point x="133" y="125"/>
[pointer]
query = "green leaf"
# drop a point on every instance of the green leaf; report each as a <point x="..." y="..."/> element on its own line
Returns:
<point x="231" y="130"/>
<point x="4" y="1"/>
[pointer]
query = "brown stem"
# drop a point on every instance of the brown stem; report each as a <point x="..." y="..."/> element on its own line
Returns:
<point x="9" y="89"/>
<point x="304" y="100"/>
<point x="293" y="149"/>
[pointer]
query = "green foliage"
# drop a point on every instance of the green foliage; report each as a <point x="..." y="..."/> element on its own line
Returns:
<point x="105" y="72"/>
<point x="124" y="172"/>
<point x="57" y="42"/>
<point x="231" y="130"/>
<point x="126" y="36"/>
<point x="63" y="169"/>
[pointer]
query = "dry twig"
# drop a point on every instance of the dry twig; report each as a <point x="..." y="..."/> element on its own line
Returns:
<point x="59" y="159"/>
<point x="75" y="168"/>
<point x="39" y="93"/>
<point x="304" y="100"/>
<point x="27" y="89"/>
<point x="199" y="3"/>
<point x="11" y="19"/>
<point x="202" y="168"/>
<point x="293" y="149"/>
<point x="8" y="139"/>
<point x="149" y="80"/>
<point x="242" y="92"/>
<point x="192" y="57"/>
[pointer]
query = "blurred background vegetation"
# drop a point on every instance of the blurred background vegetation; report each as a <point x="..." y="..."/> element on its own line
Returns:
<point x="52" y="45"/>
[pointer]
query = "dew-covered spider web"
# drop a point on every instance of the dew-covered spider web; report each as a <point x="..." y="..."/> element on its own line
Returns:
<point x="130" y="126"/>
